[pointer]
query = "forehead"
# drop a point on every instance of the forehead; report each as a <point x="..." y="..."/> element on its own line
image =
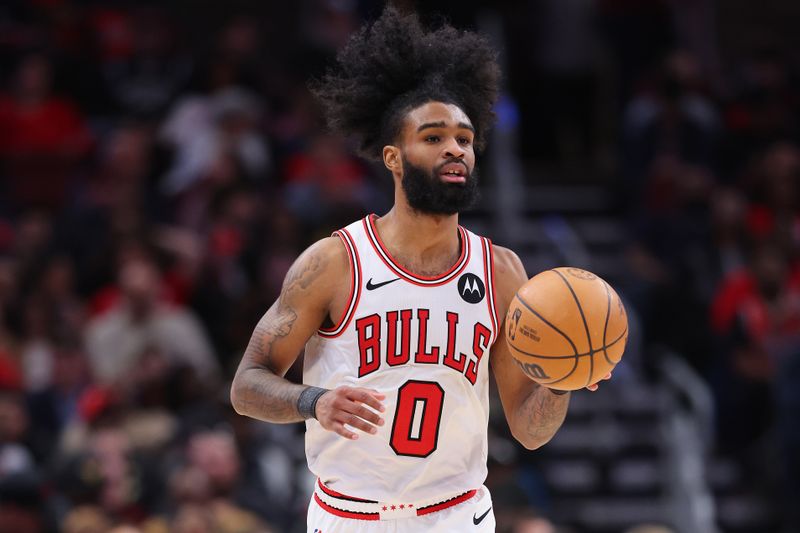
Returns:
<point x="433" y="112"/>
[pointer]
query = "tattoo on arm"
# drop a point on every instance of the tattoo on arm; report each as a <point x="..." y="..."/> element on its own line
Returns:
<point x="260" y="391"/>
<point x="542" y="413"/>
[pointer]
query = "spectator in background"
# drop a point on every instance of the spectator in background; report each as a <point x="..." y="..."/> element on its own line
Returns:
<point x="116" y="207"/>
<point x="763" y="109"/>
<point x="639" y="33"/>
<point x="119" y="496"/>
<point x="669" y="255"/>
<point x="205" y="131"/>
<point x="555" y="48"/>
<point x="773" y="187"/>
<point x="207" y="487"/>
<point x="118" y="339"/>
<point x="43" y="138"/>
<point x="239" y="52"/>
<point x="729" y="237"/>
<point x="671" y="118"/>
<point x="57" y="287"/>
<point x="51" y="309"/>
<point x="296" y="122"/>
<point x="36" y="349"/>
<point x="325" y="181"/>
<point x="56" y="405"/>
<point x="15" y="454"/>
<point x="144" y="83"/>
<point x="756" y="314"/>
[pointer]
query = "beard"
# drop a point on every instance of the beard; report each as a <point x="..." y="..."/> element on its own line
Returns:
<point x="428" y="194"/>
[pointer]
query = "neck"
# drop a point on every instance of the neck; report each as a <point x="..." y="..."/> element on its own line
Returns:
<point x="421" y="241"/>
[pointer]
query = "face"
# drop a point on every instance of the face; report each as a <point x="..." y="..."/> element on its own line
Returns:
<point x="436" y="159"/>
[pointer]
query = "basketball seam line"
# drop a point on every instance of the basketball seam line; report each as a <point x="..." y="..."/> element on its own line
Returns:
<point x="574" y="366"/>
<point x="605" y="327"/>
<point x="575" y="357"/>
<point x="543" y="319"/>
<point x="584" y="354"/>
<point x="585" y="325"/>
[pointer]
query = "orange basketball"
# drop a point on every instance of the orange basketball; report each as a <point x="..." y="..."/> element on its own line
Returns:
<point x="567" y="328"/>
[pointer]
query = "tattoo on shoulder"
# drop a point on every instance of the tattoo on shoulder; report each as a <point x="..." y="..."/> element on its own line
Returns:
<point x="277" y="323"/>
<point x="302" y="274"/>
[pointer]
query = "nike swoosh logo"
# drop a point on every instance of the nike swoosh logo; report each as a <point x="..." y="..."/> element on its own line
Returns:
<point x="372" y="287"/>
<point x="478" y="519"/>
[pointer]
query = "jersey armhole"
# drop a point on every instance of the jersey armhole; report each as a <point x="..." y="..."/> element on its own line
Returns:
<point x="355" y="288"/>
<point x="488" y="270"/>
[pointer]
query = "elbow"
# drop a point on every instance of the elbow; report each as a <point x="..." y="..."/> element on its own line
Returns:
<point x="236" y="398"/>
<point x="531" y="440"/>
<point x="531" y="443"/>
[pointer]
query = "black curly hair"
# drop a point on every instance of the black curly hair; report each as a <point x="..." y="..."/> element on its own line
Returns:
<point x="394" y="65"/>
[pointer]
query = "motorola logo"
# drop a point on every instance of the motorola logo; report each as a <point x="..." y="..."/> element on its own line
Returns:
<point x="471" y="288"/>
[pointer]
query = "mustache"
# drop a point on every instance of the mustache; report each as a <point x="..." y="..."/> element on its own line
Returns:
<point x="456" y="160"/>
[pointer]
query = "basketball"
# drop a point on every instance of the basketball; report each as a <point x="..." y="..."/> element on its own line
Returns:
<point x="566" y="328"/>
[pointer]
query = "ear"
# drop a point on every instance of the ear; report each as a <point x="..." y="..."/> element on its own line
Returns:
<point x="392" y="159"/>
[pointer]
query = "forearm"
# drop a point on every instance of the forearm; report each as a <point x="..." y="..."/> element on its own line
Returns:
<point x="259" y="393"/>
<point x="259" y="389"/>
<point x="539" y="416"/>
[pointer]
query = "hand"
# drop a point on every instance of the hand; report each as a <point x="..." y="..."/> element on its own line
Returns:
<point x="348" y="405"/>
<point x="594" y="386"/>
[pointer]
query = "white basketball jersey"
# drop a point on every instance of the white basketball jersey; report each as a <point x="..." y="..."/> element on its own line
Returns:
<point x="424" y="342"/>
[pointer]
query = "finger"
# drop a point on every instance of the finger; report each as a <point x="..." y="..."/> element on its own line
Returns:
<point x="343" y="431"/>
<point x="369" y="397"/>
<point x="592" y="387"/>
<point x="607" y="376"/>
<point x="355" y="422"/>
<point x="367" y="414"/>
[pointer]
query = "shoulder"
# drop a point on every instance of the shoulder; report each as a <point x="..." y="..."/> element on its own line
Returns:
<point x="509" y="275"/>
<point x="330" y="252"/>
<point x="318" y="271"/>
<point x="507" y="263"/>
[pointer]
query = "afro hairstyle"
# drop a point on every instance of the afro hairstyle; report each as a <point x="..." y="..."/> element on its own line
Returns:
<point x="393" y="66"/>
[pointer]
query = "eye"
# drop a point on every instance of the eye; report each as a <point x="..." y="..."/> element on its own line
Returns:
<point x="464" y="140"/>
<point x="432" y="139"/>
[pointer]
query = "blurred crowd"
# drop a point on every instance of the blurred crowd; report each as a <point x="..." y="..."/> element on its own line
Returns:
<point x="162" y="164"/>
<point x="711" y="180"/>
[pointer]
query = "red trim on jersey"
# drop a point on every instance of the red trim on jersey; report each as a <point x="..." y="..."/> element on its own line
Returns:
<point x="346" y="514"/>
<point x="424" y="281"/>
<point x="352" y="285"/>
<point x="333" y="494"/>
<point x="355" y="288"/>
<point x="444" y="505"/>
<point x="488" y="270"/>
<point x="366" y="515"/>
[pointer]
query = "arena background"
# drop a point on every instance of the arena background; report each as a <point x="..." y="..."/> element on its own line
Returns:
<point x="163" y="164"/>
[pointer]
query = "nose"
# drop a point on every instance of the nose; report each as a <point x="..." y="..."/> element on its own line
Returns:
<point x="453" y="149"/>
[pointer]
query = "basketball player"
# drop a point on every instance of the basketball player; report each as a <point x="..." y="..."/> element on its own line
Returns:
<point x="401" y="315"/>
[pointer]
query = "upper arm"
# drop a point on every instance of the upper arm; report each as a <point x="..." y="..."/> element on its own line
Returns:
<point x="512" y="385"/>
<point x="310" y="289"/>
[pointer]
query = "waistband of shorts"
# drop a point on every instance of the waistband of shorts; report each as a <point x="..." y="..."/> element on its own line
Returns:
<point x="345" y="506"/>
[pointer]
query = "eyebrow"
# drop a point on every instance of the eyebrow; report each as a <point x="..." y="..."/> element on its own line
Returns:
<point x="441" y="124"/>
